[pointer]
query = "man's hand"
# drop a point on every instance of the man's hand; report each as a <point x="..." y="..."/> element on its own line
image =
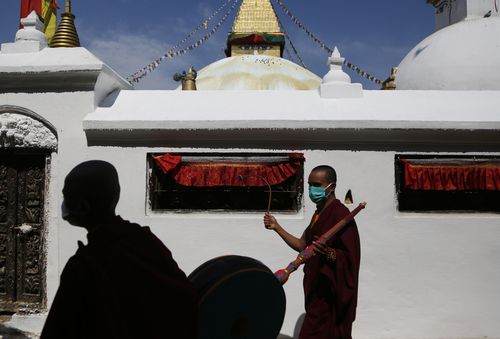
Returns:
<point x="321" y="248"/>
<point x="270" y="222"/>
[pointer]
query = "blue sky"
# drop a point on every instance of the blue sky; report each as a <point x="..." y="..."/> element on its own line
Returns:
<point x="128" y="34"/>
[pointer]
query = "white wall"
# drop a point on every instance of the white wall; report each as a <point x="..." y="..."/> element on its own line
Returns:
<point x="65" y="112"/>
<point x="422" y="275"/>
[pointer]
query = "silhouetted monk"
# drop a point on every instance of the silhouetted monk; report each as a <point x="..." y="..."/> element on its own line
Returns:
<point x="124" y="283"/>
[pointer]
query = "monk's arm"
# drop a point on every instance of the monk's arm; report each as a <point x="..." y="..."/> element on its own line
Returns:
<point x="295" y="243"/>
<point x="298" y="244"/>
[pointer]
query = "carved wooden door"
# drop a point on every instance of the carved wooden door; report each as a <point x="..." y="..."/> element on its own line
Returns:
<point x="22" y="190"/>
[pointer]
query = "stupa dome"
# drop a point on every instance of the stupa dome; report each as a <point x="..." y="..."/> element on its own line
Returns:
<point x="463" y="56"/>
<point x="256" y="72"/>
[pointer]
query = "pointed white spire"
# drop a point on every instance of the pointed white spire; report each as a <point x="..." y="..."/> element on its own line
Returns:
<point x="30" y="38"/>
<point x="337" y="83"/>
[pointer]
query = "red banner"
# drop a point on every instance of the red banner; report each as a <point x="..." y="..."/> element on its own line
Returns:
<point x="28" y="6"/>
<point x="241" y="174"/>
<point x="442" y="176"/>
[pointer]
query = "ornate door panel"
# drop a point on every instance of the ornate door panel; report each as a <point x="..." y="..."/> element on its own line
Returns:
<point x="8" y="192"/>
<point x="22" y="191"/>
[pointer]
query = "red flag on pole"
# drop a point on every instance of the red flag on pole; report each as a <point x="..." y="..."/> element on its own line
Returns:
<point x="27" y="6"/>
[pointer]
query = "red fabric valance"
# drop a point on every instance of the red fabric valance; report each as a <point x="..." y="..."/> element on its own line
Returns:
<point x="216" y="173"/>
<point x="452" y="176"/>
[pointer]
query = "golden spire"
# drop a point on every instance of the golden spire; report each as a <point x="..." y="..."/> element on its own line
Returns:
<point x="256" y="30"/>
<point x="66" y="35"/>
<point x="188" y="79"/>
<point x="256" y="16"/>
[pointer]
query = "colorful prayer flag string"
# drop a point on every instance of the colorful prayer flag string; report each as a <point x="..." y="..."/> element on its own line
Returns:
<point x="323" y="45"/>
<point x="289" y="40"/>
<point x="173" y="52"/>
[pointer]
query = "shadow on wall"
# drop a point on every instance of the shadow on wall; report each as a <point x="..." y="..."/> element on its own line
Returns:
<point x="11" y="333"/>
<point x="296" y="330"/>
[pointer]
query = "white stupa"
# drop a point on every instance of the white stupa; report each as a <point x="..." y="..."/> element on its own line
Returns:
<point x="254" y="50"/>
<point x="463" y="54"/>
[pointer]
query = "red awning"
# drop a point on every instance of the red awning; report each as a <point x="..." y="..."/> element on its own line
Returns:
<point x="204" y="173"/>
<point x="452" y="175"/>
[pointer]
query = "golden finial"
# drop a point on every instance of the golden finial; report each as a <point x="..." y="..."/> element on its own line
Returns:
<point x="390" y="82"/>
<point x="256" y="16"/>
<point x="188" y="79"/>
<point x="256" y="30"/>
<point x="66" y="34"/>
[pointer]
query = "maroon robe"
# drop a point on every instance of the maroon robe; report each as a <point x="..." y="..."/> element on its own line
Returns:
<point x="123" y="284"/>
<point x="331" y="288"/>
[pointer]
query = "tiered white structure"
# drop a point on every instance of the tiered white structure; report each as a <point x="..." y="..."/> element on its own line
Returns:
<point x="30" y="38"/>
<point x="337" y="83"/>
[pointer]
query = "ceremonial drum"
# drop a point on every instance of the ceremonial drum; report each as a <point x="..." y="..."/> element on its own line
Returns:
<point x="239" y="298"/>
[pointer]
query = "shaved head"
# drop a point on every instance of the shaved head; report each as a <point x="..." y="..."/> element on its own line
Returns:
<point x="95" y="182"/>
<point x="329" y="171"/>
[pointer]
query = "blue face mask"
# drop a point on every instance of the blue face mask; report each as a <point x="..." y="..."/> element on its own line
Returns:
<point x="318" y="194"/>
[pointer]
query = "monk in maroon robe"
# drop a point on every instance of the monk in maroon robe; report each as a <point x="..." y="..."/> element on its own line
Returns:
<point x="330" y="277"/>
<point x="124" y="283"/>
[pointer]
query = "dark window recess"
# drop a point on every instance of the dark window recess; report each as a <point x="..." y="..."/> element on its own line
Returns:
<point x="166" y="194"/>
<point x="422" y="198"/>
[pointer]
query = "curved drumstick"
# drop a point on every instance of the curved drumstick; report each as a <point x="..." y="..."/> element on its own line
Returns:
<point x="268" y="185"/>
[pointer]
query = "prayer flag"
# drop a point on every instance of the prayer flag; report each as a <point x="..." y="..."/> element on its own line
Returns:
<point x="28" y="6"/>
<point x="49" y="16"/>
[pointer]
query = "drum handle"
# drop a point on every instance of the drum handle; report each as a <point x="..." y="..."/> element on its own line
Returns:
<point x="308" y="252"/>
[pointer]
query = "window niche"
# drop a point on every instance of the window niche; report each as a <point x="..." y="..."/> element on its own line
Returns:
<point x="426" y="183"/>
<point x="225" y="182"/>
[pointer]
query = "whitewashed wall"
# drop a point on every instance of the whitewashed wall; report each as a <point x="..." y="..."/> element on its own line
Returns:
<point x="65" y="111"/>
<point x="422" y="275"/>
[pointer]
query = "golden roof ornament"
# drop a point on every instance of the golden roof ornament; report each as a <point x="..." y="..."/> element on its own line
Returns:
<point x="188" y="79"/>
<point x="256" y="30"/>
<point x="390" y="82"/>
<point x="66" y="34"/>
<point x="256" y="16"/>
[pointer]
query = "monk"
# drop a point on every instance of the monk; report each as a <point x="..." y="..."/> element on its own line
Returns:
<point x="124" y="283"/>
<point x="330" y="277"/>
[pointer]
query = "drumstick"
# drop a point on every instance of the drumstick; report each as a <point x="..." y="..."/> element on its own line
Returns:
<point x="268" y="185"/>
